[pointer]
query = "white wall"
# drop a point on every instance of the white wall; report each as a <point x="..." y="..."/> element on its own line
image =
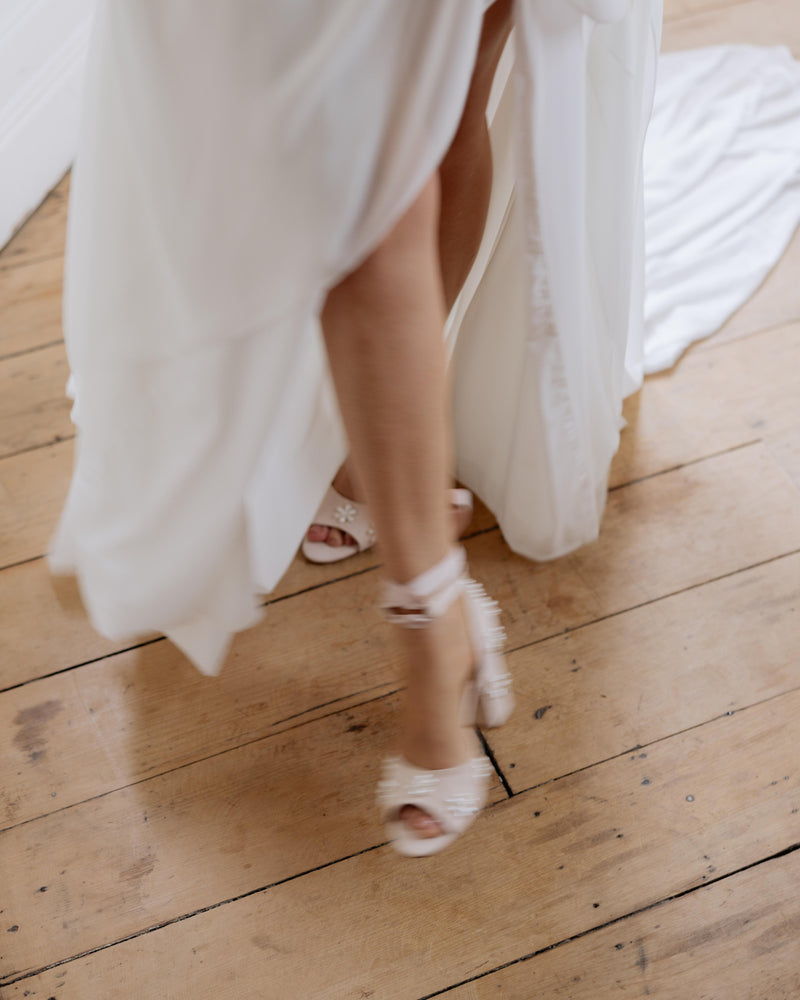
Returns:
<point x="42" y="51"/>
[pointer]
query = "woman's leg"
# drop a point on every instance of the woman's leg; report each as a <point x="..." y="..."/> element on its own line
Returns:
<point x="466" y="170"/>
<point x="383" y="332"/>
<point x="465" y="176"/>
<point x="382" y="327"/>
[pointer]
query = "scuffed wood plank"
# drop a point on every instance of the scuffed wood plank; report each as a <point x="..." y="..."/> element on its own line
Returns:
<point x="713" y="400"/>
<point x="535" y="870"/>
<point x="721" y="492"/>
<point x="662" y="431"/>
<point x="39" y="727"/>
<point x="736" y="940"/>
<point x="33" y="487"/>
<point x="150" y="710"/>
<point x="689" y="526"/>
<point x="30" y="306"/>
<point x="64" y="638"/>
<point x="45" y="627"/>
<point x="34" y="409"/>
<point x="638" y="677"/>
<point x="255" y="816"/>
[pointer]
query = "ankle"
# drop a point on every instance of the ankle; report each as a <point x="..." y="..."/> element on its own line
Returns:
<point x="436" y="749"/>
<point x="344" y="482"/>
<point x="439" y="660"/>
<point x="439" y="654"/>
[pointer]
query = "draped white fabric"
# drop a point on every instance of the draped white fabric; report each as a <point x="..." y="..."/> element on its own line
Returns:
<point x="545" y="321"/>
<point x="722" y="200"/>
<point x="235" y="160"/>
<point x="722" y="187"/>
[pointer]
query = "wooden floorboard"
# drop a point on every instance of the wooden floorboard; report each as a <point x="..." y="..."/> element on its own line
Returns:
<point x="45" y="628"/>
<point x="34" y="409"/>
<point x="754" y="22"/>
<point x="677" y="9"/>
<point x="43" y="235"/>
<point x="63" y="638"/>
<point x="712" y="401"/>
<point x="33" y="487"/>
<point x="554" y="862"/>
<point x="147" y="710"/>
<point x="167" y="834"/>
<point x="240" y="809"/>
<point x="634" y="560"/>
<point x="638" y="677"/>
<point x="733" y="940"/>
<point x="30" y="306"/>
<point x="784" y="447"/>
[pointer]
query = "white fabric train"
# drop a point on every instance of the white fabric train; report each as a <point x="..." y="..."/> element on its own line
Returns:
<point x="235" y="160"/>
<point x="722" y="187"/>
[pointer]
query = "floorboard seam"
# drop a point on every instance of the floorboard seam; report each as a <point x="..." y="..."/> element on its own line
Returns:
<point x="84" y="663"/>
<point x="660" y="739"/>
<point x="482" y="531"/>
<point x="13" y="265"/>
<point x="30" y="350"/>
<point x="22" y="562"/>
<point x="610" y="923"/>
<point x="686" y="465"/>
<point x="489" y="752"/>
<point x="508" y="652"/>
<point x="652" y="600"/>
<point x="58" y="439"/>
<point x="184" y="916"/>
<point x="10" y="981"/>
<point x="273" y="734"/>
<point x="702" y="347"/>
<point x="495" y="764"/>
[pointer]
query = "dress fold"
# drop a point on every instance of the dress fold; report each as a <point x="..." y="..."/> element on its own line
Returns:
<point x="236" y="160"/>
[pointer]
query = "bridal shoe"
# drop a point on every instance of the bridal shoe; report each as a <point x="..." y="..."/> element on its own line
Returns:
<point x="452" y="796"/>
<point x="351" y="517"/>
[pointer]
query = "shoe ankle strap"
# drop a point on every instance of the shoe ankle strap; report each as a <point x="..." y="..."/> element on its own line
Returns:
<point x="417" y="603"/>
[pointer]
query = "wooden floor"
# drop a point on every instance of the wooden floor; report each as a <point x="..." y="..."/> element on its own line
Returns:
<point x="169" y="835"/>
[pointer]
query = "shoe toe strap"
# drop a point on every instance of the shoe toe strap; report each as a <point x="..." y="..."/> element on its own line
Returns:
<point x="452" y="796"/>
<point x="416" y="603"/>
<point x="348" y="516"/>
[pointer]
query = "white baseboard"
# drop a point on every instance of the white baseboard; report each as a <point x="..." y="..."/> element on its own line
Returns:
<point x="42" y="53"/>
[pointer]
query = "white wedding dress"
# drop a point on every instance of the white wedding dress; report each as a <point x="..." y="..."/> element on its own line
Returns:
<point x="235" y="161"/>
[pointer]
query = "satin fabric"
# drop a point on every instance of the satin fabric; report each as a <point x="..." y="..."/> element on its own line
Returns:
<point x="235" y="161"/>
<point x="722" y="187"/>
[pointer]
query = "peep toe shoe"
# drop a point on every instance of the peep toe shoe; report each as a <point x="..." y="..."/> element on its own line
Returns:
<point x="352" y="517"/>
<point x="452" y="796"/>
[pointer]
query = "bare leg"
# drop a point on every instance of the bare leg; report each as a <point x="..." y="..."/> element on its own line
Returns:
<point x="465" y="176"/>
<point x="392" y="397"/>
<point x="383" y="331"/>
<point x="466" y="170"/>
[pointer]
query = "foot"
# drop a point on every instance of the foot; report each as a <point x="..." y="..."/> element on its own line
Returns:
<point x="336" y="538"/>
<point x="342" y="483"/>
<point x="433" y="736"/>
